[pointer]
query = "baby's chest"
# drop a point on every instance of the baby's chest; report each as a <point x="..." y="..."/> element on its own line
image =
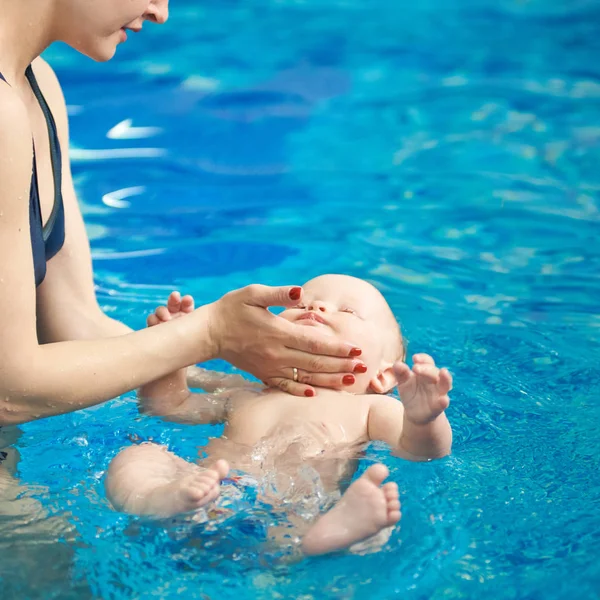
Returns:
<point x="343" y="422"/>
<point x="327" y="422"/>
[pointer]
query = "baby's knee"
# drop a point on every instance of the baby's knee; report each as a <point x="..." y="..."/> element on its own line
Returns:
<point x="132" y="467"/>
<point x="129" y="457"/>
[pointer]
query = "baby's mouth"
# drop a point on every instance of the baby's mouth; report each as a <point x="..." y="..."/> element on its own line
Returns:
<point x="312" y="317"/>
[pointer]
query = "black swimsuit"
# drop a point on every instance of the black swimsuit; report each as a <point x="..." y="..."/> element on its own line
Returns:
<point x="46" y="240"/>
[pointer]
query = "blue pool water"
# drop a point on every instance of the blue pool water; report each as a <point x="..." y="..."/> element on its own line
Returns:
<point x="447" y="152"/>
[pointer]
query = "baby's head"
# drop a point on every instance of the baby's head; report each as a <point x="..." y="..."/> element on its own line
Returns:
<point x="354" y="311"/>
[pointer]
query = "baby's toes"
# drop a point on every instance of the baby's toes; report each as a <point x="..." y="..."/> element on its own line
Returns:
<point x="390" y="489"/>
<point x="196" y="491"/>
<point x="392" y="499"/>
<point x="207" y="479"/>
<point x="393" y="505"/>
<point x="221" y="469"/>
<point x="213" y="493"/>
<point x="393" y="517"/>
<point x="206" y="492"/>
<point x="199" y="490"/>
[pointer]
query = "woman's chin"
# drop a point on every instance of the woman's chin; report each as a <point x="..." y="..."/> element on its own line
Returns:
<point x="101" y="51"/>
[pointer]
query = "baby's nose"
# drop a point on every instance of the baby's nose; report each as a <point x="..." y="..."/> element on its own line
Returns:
<point x="318" y="306"/>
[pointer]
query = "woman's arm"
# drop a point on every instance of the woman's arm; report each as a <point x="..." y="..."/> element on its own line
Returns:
<point x="40" y="380"/>
<point x="37" y="381"/>
<point x="68" y="308"/>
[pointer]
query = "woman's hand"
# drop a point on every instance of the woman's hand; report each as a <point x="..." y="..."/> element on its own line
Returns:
<point x="245" y="333"/>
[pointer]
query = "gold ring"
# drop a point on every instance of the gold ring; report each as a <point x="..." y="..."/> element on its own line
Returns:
<point x="295" y="373"/>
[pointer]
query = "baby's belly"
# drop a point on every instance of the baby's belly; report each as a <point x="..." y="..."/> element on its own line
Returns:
<point x="290" y="450"/>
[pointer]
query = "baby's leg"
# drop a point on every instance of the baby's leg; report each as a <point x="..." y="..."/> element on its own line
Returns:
<point x="365" y="509"/>
<point x="149" y="480"/>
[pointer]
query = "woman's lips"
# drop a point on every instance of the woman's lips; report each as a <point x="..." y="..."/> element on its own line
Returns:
<point x="311" y="316"/>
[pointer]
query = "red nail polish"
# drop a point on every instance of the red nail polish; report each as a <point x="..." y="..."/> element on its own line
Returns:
<point x="348" y="379"/>
<point x="355" y="352"/>
<point x="360" y="369"/>
<point x="295" y="293"/>
<point x="309" y="393"/>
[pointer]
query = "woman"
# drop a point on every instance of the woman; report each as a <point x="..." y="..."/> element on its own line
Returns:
<point x="58" y="351"/>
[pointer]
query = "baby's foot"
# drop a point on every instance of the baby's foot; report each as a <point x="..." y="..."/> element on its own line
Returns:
<point x="424" y="389"/>
<point x="176" y="307"/>
<point x="364" y="510"/>
<point x="189" y="493"/>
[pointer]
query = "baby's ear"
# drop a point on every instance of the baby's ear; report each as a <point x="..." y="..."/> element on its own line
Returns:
<point x="385" y="379"/>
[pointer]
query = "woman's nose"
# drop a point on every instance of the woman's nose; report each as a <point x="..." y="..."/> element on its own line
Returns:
<point x="158" y="11"/>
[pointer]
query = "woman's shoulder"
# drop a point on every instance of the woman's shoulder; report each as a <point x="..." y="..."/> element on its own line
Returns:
<point x="50" y="86"/>
<point x="16" y="149"/>
<point x="14" y="119"/>
<point x="45" y="75"/>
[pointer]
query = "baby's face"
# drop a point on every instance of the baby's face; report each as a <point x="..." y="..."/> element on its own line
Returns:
<point x="351" y="310"/>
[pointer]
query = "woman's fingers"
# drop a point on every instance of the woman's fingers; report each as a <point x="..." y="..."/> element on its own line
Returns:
<point x="312" y="341"/>
<point x="329" y="380"/>
<point x="266" y="296"/>
<point x="300" y="337"/>
<point x="291" y="387"/>
<point x="311" y="364"/>
<point x="255" y="340"/>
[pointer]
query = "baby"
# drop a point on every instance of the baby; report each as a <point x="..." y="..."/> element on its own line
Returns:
<point x="271" y="432"/>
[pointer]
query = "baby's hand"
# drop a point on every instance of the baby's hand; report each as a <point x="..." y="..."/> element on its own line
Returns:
<point x="176" y="307"/>
<point x="424" y="389"/>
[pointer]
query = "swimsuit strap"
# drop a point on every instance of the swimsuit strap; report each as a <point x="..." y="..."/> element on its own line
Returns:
<point x="55" y="154"/>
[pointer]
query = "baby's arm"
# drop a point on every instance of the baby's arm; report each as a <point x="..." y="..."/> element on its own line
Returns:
<point x="165" y="398"/>
<point x="214" y="381"/>
<point x="170" y="396"/>
<point x="417" y="427"/>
